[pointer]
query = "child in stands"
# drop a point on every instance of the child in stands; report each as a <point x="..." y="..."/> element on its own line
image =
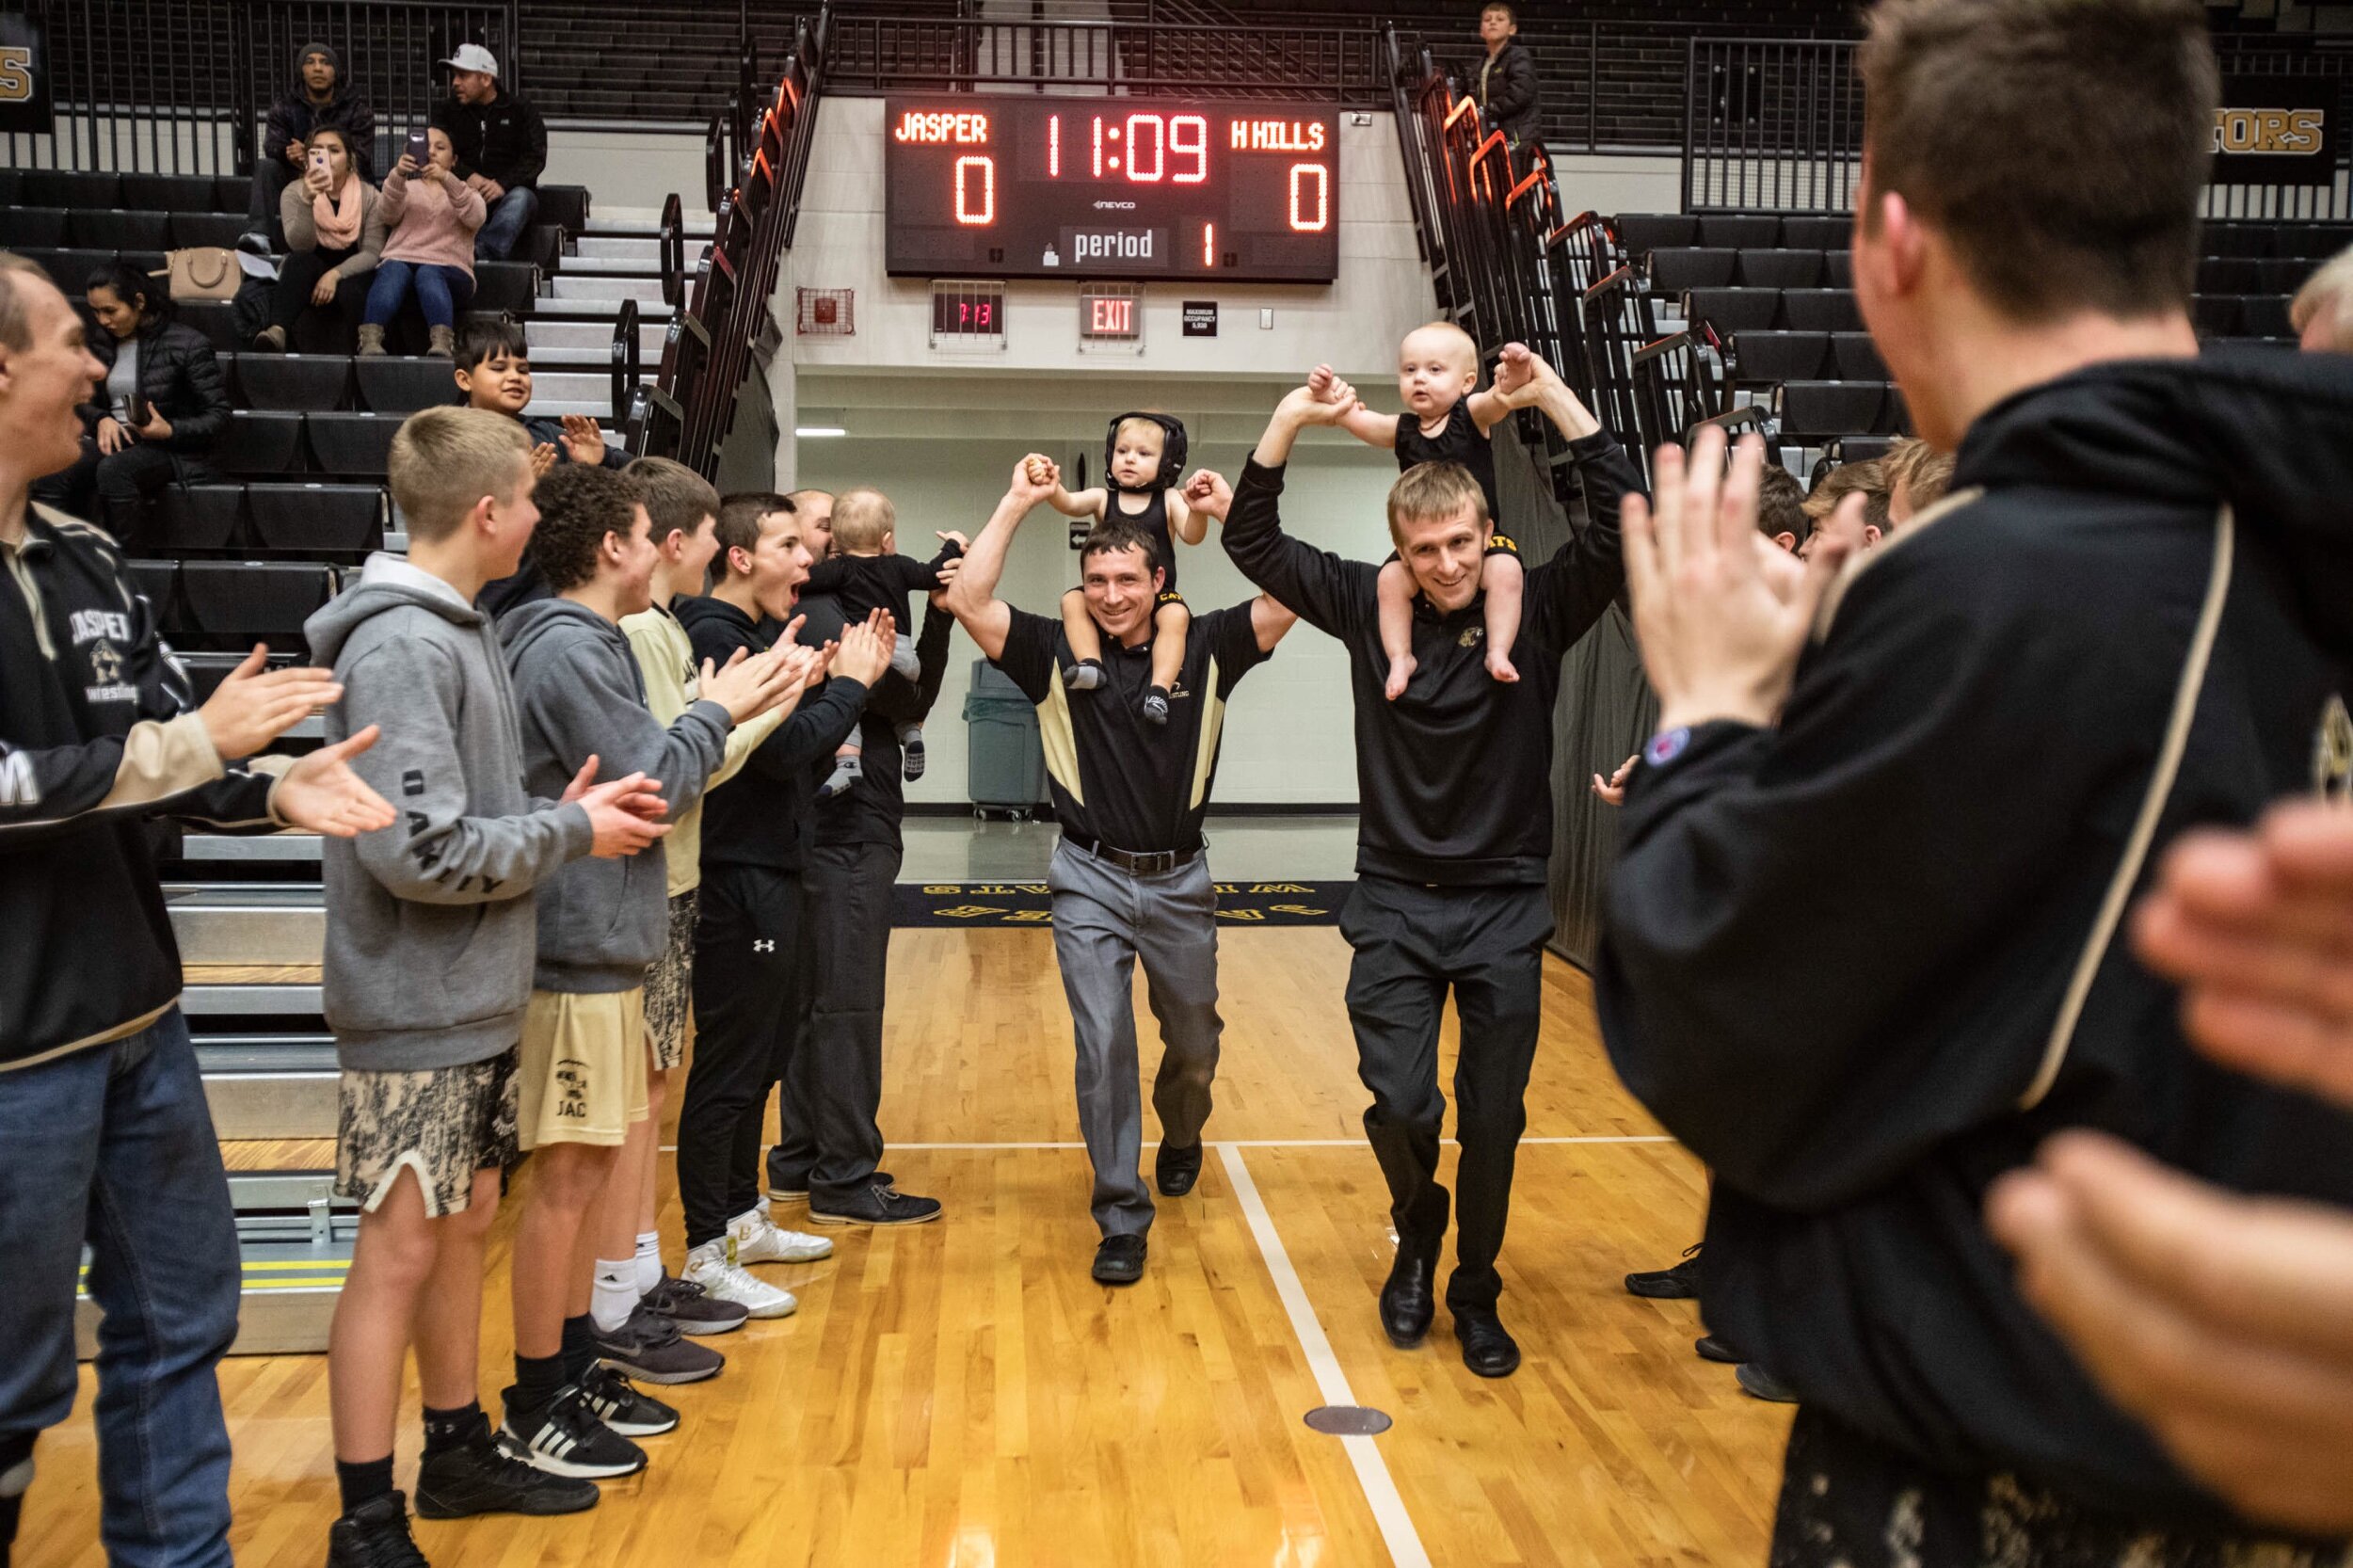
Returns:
<point x="494" y="372"/>
<point x="430" y="936"/>
<point x="867" y="573"/>
<point x="1143" y="457"/>
<point x="1446" y="421"/>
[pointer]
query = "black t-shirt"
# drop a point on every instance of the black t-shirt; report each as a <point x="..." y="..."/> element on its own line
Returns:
<point x="1116" y="778"/>
<point x="1152" y="521"/>
<point x="1459" y="442"/>
<point x="870" y="811"/>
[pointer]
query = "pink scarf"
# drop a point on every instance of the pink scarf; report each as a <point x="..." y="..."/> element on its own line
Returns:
<point x="338" y="221"/>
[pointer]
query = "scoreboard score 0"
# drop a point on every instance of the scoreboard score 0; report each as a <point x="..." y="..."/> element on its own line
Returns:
<point x="1110" y="187"/>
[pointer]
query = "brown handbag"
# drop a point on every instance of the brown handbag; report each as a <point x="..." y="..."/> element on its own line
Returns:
<point x="204" y="272"/>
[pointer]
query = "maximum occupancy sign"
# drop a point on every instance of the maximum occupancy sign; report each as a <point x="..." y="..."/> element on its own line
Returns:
<point x="1110" y="187"/>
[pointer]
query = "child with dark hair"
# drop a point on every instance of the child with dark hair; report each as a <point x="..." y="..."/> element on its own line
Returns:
<point x="494" y="372"/>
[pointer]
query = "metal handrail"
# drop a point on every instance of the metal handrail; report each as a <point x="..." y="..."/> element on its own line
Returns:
<point x="628" y="367"/>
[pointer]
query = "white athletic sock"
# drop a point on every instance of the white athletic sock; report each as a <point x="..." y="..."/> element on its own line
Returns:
<point x="648" y="1261"/>
<point x="617" y="1294"/>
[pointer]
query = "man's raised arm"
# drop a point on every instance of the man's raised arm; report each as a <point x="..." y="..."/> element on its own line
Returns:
<point x="1328" y="593"/>
<point x="972" y="597"/>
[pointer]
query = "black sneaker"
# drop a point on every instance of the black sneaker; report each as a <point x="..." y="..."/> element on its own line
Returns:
<point x="878" y="1204"/>
<point x="1119" y="1260"/>
<point x="374" y="1535"/>
<point x="480" y="1476"/>
<point x="1176" y="1170"/>
<point x="693" y="1309"/>
<point x="1712" y="1349"/>
<point x="649" y="1347"/>
<point x="1758" y="1383"/>
<point x="1678" y="1284"/>
<point x="620" y="1406"/>
<point x="565" y="1438"/>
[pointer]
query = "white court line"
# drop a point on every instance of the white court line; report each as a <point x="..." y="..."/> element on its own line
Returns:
<point x="1373" y="1471"/>
<point x="1280" y="1143"/>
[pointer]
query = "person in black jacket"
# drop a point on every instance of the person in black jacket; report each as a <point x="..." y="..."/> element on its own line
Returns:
<point x="1507" y="93"/>
<point x="1858" y="947"/>
<point x="160" y="405"/>
<point x="1454" y="777"/>
<point x="104" y="1138"/>
<point x="316" y="97"/>
<point x="501" y="148"/>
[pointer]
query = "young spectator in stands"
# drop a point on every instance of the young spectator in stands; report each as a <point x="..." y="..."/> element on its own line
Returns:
<point x="869" y="574"/>
<point x="2026" y="235"/>
<point x="580" y="696"/>
<point x="502" y="146"/>
<point x="2322" y="312"/>
<point x="105" y="1138"/>
<point x="1781" y="514"/>
<point x="493" y="371"/>
<point x="1916" y="475"/>
<point x="316" y="99"/>
<point x="751" y="950"/>
<point x="1821" y="505"/>
<point x="429" y="221"/>
<point x="428" y="1080"/>
<point x="1507" y="95"/>
<point x="334" y="237"/>
<point x="684" y="510"/>
<point x="160" y="407"/>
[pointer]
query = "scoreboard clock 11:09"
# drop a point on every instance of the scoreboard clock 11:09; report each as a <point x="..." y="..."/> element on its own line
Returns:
<point x="1110" y="187"/>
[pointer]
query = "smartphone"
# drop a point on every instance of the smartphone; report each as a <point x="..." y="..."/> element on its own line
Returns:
<point x="318" y="159"/>
<point x="418" y="148"/>
<point x="136" y="407"/>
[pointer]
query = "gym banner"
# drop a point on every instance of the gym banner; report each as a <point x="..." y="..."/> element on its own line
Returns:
<point x="24" y="103"/>
<point x="2278" y="131"/>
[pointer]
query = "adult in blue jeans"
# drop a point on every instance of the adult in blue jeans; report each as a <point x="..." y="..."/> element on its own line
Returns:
<point x="430" y="220"/>
<point x="105" y="1138"/>
<point x="502" y="147"/>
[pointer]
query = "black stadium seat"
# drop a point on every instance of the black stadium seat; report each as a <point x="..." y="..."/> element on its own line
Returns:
<point x="398" y="384"/>
<point x="117" y="229"/>
<point x="510" y="287"/>
<point x="240" y="602"/>
<point x="1812" y="410"/>
<point x="2230" y="275"/>
<point x="566" y="207"/>
<point x="216" y="318"/>
<point x="70" y="269"/>
<point x="2237" y="239"/>
<point x="359" y="444"/>
<point x="1838" y="269"/>
<point x="32" y="228"/>
<point x="1675" y="268"/>
<point x="1781" y="269"/>
<point x="1764" y="357"/>
<point x="318" y="520"/>
<point x="202" y="517"/>
<point x="2265" y="315"/>
<point x="232" y="193"/>
<point x="169" y="193"/>
<point x="1820" y="311"/>
<point x="2314" y="244"/>
<point x="1811" y="232"/>
<point x="1731" y="311"/>
<point x="1642" y="232"/>
<point x="261" y="444"/>
<point x="2285" y="275"/>
<point x="195" y="228"/>
<point x="2217" y="315"/>
<point x="1856" y="356"/>
<point x="50" y="187"/>
<point x="158" y="583"/>
<point x="1742" y="231"/>
<point x="304" y="383"/>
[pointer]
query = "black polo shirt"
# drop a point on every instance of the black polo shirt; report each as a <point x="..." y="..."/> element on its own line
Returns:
<point x="1119" y="778"/>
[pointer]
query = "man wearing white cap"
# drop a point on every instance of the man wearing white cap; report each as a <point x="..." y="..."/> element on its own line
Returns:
<point x="502" y="146"/>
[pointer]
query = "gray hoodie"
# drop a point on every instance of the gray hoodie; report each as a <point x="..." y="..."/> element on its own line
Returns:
<point x="430" y="924"/>
<point x="602" y="923"/>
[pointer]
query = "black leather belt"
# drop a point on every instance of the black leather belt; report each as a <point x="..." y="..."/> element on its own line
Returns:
<point x="1156" y="863"/>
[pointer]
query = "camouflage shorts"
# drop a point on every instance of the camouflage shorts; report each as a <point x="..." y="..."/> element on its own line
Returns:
<point x="445" y="1123"/>
<point x="670" y="984"/>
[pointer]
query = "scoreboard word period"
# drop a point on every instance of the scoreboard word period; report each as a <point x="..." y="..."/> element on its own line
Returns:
<point x="1110" y="187"/>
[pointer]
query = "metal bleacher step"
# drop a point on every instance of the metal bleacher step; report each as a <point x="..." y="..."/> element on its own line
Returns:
<point x="249" y="922"/>
<point x="591" y="331"/>
<point x="269" y="1085"/>
<point x="294" y="1245"/>
<point x="644" y="288"/>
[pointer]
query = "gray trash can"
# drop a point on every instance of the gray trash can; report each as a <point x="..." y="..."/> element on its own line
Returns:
<point x="1006" y="763"/>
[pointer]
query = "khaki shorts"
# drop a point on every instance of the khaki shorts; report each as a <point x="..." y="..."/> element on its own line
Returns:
<point x="444" y="1123"/>
<point x="584" y="1067"/>
<point x="670" y="984"/>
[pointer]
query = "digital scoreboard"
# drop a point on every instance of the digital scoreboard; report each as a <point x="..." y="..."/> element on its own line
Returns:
<point x="1110" y="187"/>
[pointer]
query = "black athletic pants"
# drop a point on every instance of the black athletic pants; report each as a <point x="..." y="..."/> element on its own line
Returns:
<point x="751" y="970"/>
<point x="1413" y="944"/>
<point x="848" y="913"/>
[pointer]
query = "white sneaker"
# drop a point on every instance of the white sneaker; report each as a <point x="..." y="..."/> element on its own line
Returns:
<point x="712" y="1267"/>
<point x="759" y="1239"/>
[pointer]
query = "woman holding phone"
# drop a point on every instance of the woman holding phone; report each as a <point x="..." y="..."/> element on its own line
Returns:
<point x="429" y="219"/>
<point x="334" y="237"/>
<point x="159" y="410"/>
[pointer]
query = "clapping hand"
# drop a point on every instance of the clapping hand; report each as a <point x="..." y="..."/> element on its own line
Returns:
<point x="584" y="440"/>
<point x="256" y="704"/>
<point x="542" y="460"/>
<point x="625" y="815"/>
<point x="1612" y="791"/>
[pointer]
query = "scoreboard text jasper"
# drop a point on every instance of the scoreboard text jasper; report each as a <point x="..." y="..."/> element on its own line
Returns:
<point x="1101" y="188"/>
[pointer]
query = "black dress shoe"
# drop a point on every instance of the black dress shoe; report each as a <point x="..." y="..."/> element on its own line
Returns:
<point x="1758" y="1383"/>
<point x="1678" y="1284"/>
<point x="1487" y="1350"/>
<point x="1119" y="1260"/>
<point x="1408" y="1301"/>
<point x="1713" y="1349"/>
<point x="1176" y="1170"/>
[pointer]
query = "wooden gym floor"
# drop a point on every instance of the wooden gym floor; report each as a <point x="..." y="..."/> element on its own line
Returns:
<point x="961" y="1394"/>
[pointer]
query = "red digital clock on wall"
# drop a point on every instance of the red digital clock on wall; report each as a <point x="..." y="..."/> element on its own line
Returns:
<point x="1110" y="187"/>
